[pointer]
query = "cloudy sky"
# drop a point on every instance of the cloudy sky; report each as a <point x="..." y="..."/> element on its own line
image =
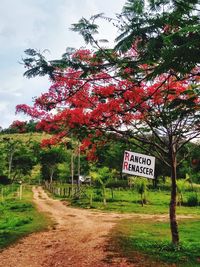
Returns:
<point x="39" y="24"/>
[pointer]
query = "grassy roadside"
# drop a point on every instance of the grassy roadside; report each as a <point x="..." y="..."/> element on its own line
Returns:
<point x="148" y="241"/>
<point x="127" y="201"/>
<point x="19" y="217"/>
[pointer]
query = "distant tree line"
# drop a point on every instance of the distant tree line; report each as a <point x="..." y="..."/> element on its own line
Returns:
<point x="21" y="127"/>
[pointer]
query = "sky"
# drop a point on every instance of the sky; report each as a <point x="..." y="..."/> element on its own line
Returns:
<point x="40" y="24"/>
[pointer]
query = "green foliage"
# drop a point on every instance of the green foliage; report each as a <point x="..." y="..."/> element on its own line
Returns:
<point x="192" y="200"/>
<point x="181" y="187"/>
<point x="13" y="223"/>
<point x="2" y="163"/>
<point x="19" y="154"/>
<point x="117" y="183"/>
<point x="140" y="185"/>
<point x="23" y="162"/>
<point x="111" y="154"/>
<point x="19" y="206"/>
<point x="86" y="29"/>
<point x="49" y="159"/>
<point x="39" y="65"/>
<point x="162" y="28"/>
<point x="101" y="176"/>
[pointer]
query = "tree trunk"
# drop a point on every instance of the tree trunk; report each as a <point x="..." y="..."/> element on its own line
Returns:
<point x="155" y="181"/>
<point x="79" y="164"/>
<point x="173" y="203"/>
<point x="112" y="193"/>
<point x="51" y="176"/>
<point x="91" y="199"/>
<point x="142" y="199"/>
<point x="72" y="173"/>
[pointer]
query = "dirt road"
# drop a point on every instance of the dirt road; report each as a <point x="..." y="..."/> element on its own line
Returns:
<point x="78" y="239"/>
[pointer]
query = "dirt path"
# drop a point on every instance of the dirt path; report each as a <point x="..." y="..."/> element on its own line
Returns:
<point x="78" y="238"/>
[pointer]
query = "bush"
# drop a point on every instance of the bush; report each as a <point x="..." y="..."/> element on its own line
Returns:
<point x="117" y="184"/>
<point x="192" y="200"/>
<point x="141" y="187"/>
<point x="4" y="180"/>
<point x="98" y="195"/>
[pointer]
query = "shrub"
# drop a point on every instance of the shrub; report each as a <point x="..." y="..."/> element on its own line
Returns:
<point x="192" y="200"/>
<point x="98" y="195"/>
<point x="141" y="187"/>
<point x="117" y="184"/>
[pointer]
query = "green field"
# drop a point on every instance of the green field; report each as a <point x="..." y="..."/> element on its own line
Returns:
<point x="128" y="201"/>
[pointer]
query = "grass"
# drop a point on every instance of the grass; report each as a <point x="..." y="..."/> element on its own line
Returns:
<point x="152" y="240"/>
<point x="19" y="218"/>
<point x="127" y="201"/>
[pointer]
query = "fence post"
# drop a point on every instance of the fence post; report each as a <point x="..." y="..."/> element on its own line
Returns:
<point x="20" y="191"/>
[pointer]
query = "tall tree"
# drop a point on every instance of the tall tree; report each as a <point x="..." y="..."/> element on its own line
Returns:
<point x="163" y="113"/>
<point x="146" y="89"/>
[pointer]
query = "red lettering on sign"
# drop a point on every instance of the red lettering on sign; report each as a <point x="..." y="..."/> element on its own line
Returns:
<point x="126" y="156"/>
<point x="125" y="165"/>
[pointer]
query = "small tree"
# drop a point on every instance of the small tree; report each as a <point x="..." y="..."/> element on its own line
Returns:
<point x="101" y="176"/>
<point x="10" y="146"/>
<point x="141" y="187"/>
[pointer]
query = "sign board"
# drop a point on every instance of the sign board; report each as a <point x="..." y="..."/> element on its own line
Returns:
<point x="138" y="164"/>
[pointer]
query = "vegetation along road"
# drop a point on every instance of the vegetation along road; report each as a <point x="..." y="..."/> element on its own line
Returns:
<point x="77" y="238"/>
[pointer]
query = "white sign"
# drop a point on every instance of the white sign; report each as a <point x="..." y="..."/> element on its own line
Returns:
<point x="138" y="164"/>
<point x="81" y="178"/>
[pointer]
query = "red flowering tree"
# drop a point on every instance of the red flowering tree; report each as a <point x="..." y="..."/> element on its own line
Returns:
<point x="18" y="126"/>
<point x="91" y="100"/>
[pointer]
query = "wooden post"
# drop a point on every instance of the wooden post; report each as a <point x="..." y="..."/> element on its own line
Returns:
<point x="91" y="199"/>
<point x="20" y="191"/>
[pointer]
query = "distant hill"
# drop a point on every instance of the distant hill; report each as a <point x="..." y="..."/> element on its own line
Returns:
<point x="25" y="136"/>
